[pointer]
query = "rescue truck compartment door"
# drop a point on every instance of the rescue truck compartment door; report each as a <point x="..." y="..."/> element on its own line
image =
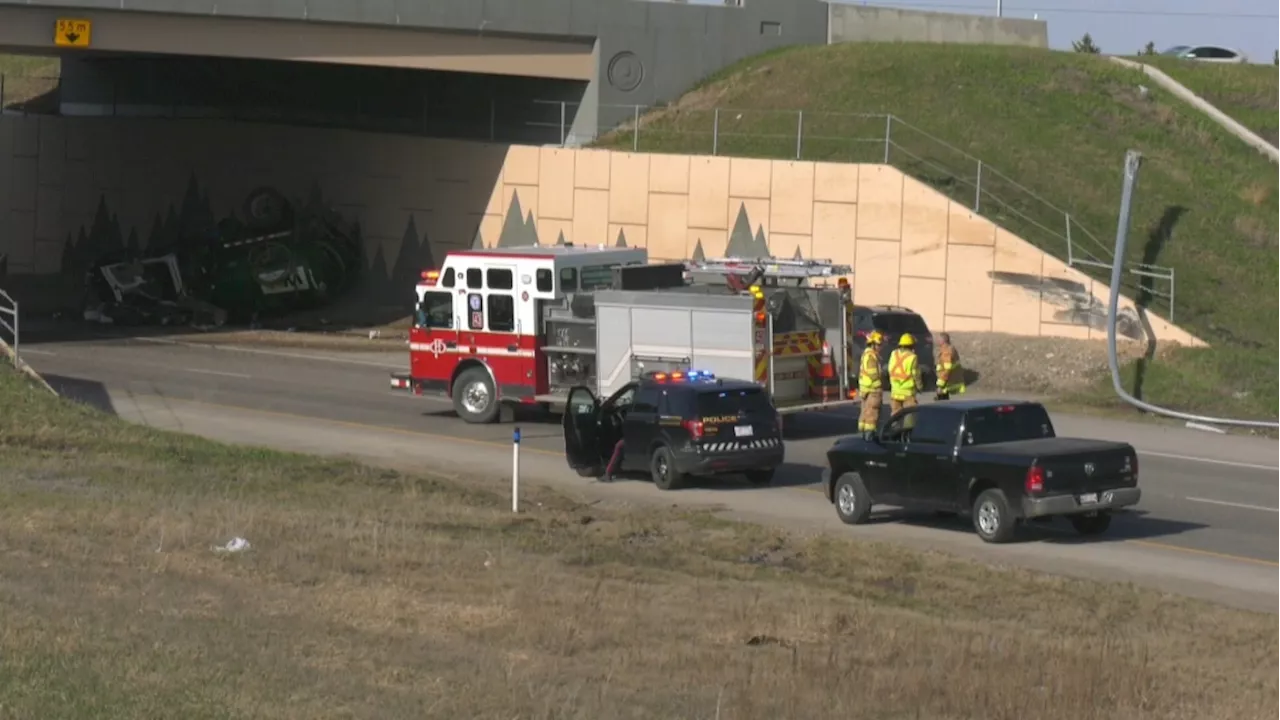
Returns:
<point x="582" y="431"/>
<point x="715" y="332"/>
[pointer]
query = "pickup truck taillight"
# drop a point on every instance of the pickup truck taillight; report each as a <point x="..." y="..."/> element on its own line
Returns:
<point x="1035" y="479"/>
<point x="1131" y="466"/>
<point x="694" y="427"/>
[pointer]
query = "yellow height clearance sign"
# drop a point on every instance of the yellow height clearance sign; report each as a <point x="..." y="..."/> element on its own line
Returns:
<point x="72" y="32"/>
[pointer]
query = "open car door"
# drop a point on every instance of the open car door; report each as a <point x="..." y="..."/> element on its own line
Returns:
<point x="582" y="433"/>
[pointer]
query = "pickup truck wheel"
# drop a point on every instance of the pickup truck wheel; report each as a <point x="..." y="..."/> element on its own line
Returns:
<point x="663" y="468"/>
<point x="992" y="518"/>
<point x="474" y="397"/>
<point x="1091" y="524"/>
<point x="853" y="502"/>
<point x="761" y="478"/>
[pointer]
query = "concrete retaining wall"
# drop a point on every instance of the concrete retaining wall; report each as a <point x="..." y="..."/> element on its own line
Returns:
<point x="861" y="23"/>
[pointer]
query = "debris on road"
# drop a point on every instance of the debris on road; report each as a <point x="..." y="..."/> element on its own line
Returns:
<point x="234" y="545"/>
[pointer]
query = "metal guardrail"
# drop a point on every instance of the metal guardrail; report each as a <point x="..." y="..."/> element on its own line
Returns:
<point x="798" y="134"/>
<point x="9" y="323"/>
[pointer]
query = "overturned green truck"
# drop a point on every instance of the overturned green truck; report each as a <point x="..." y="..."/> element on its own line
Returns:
<point x="281" y="257"/>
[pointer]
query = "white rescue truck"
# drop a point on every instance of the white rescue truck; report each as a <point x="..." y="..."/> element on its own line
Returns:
<point x="502" y="327"/>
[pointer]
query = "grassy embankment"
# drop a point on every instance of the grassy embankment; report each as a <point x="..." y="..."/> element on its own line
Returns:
<point x="24" y="78"/>
<point x="1057" y="124"/>
<point x="369" y="593"/>
<point x="1249" y="93"/>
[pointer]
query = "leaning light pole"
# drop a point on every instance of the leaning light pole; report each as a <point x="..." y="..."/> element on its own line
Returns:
<point x="1132" y="161"/>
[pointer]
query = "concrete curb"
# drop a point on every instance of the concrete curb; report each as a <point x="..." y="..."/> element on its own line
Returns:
<point x="1199" y="103"/>
<point x="6" y="353"/>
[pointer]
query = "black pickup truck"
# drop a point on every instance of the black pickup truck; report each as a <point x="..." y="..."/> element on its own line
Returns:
<point x="997" y="460"/>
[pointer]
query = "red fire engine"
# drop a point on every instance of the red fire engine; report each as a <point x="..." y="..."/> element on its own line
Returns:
<point x="479" y="335"/>
<point x="502" y="327"/>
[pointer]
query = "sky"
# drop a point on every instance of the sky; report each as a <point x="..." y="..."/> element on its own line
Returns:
<point x="1123" y="27"/>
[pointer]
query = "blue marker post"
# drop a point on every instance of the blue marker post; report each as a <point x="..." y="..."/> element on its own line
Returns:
<point x="515" y="470"/>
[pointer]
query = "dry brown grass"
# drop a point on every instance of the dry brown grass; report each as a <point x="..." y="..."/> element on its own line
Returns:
<point x="371" y="594"/>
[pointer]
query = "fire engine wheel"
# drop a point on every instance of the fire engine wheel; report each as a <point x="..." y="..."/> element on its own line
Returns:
<point x="474" y="398"/>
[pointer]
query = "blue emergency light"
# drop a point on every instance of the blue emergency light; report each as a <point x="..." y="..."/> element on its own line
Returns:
<point x="682" y="375"/>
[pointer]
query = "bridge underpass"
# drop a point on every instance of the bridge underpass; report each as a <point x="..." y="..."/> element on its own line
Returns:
<point x="172" y="127"/>
<point x="160" y="148"/>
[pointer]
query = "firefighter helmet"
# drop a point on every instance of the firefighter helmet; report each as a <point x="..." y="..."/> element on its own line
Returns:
<point x="875" y="338"/>
<point x="907" y="340"/>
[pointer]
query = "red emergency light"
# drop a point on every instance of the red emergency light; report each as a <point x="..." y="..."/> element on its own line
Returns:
<point x="429" y="277"/>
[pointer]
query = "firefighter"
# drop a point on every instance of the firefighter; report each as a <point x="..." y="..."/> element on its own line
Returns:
<point x="870" y="388"/>
<point x="950" y="374"/>
<point x="904" y="375"/>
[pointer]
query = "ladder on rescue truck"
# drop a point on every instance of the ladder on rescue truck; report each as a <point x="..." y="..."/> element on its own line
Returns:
<point x="771" y="267"/>
<point x="792" y="365"/>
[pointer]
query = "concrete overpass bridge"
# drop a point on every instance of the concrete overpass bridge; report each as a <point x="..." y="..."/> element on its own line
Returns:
<point x="468" y="64"/>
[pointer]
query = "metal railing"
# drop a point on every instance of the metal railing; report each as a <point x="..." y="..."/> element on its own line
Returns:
<point x="9" y="323"/>
<point x="886" y="139"/>
<point x="793" y="134"/>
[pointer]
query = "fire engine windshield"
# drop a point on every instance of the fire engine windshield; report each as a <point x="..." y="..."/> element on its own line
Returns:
<point x="435" y="311"/>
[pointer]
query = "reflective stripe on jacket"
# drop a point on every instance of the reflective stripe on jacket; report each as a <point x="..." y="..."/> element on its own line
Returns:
<point x="950" y="374"/>
<point x="904" y="374"/>
<point x="869" y="371"/>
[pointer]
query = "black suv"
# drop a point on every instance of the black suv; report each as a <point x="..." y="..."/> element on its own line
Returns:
<point x="892" y="321"/>
<point x="674" y="425"/>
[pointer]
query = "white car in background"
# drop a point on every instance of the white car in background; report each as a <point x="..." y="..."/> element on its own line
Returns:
<point x="1206" y="53"/>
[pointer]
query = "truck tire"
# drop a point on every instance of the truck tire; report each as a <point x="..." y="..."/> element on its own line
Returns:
<point x="1091" y="524"/>
<point x="852" y="501"/>
<point x="992" y="518"/>
<point x="662" y="465"/>
<point x="761" y="478"/>
<point x="474" y="397"/>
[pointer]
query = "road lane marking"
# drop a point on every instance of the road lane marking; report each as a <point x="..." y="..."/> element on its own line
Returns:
<point x="276" y="353"/>
<point x="29" y="351"/>
<point x="1210" y="461"/>
<point x="1206" y="553"/>
<point x="1245" y="506"/>
<point x="552" y="453"/>
<point x="220" y="373"/>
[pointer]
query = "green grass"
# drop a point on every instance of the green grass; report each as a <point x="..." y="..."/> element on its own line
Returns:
<point x="1058" y="125"/>
<point x="376" y="594"/>
<point x="24" y="78"/>
<point x="1250" y="94"/>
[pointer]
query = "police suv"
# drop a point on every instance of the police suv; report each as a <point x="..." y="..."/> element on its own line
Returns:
<point x="674" y="425"/>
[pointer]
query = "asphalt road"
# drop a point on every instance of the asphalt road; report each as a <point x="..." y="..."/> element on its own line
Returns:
<point x="1206" y="526"/>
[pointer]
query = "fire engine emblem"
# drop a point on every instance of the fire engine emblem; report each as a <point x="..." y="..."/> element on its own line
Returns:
<point x="475" y="302"/>
<point x="435" y="347"/>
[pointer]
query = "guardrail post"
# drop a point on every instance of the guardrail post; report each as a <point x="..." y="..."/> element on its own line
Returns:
<point x="888" y="134"/>
<point x="799" y="132"/>
<point x="563" y="108"/>
<point x="1171" y="294"/>
<point x="635" y="129"/>
<point x="715" y="132"/>
<point x="17" y="334"/>
<point x="977" y="194"/>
